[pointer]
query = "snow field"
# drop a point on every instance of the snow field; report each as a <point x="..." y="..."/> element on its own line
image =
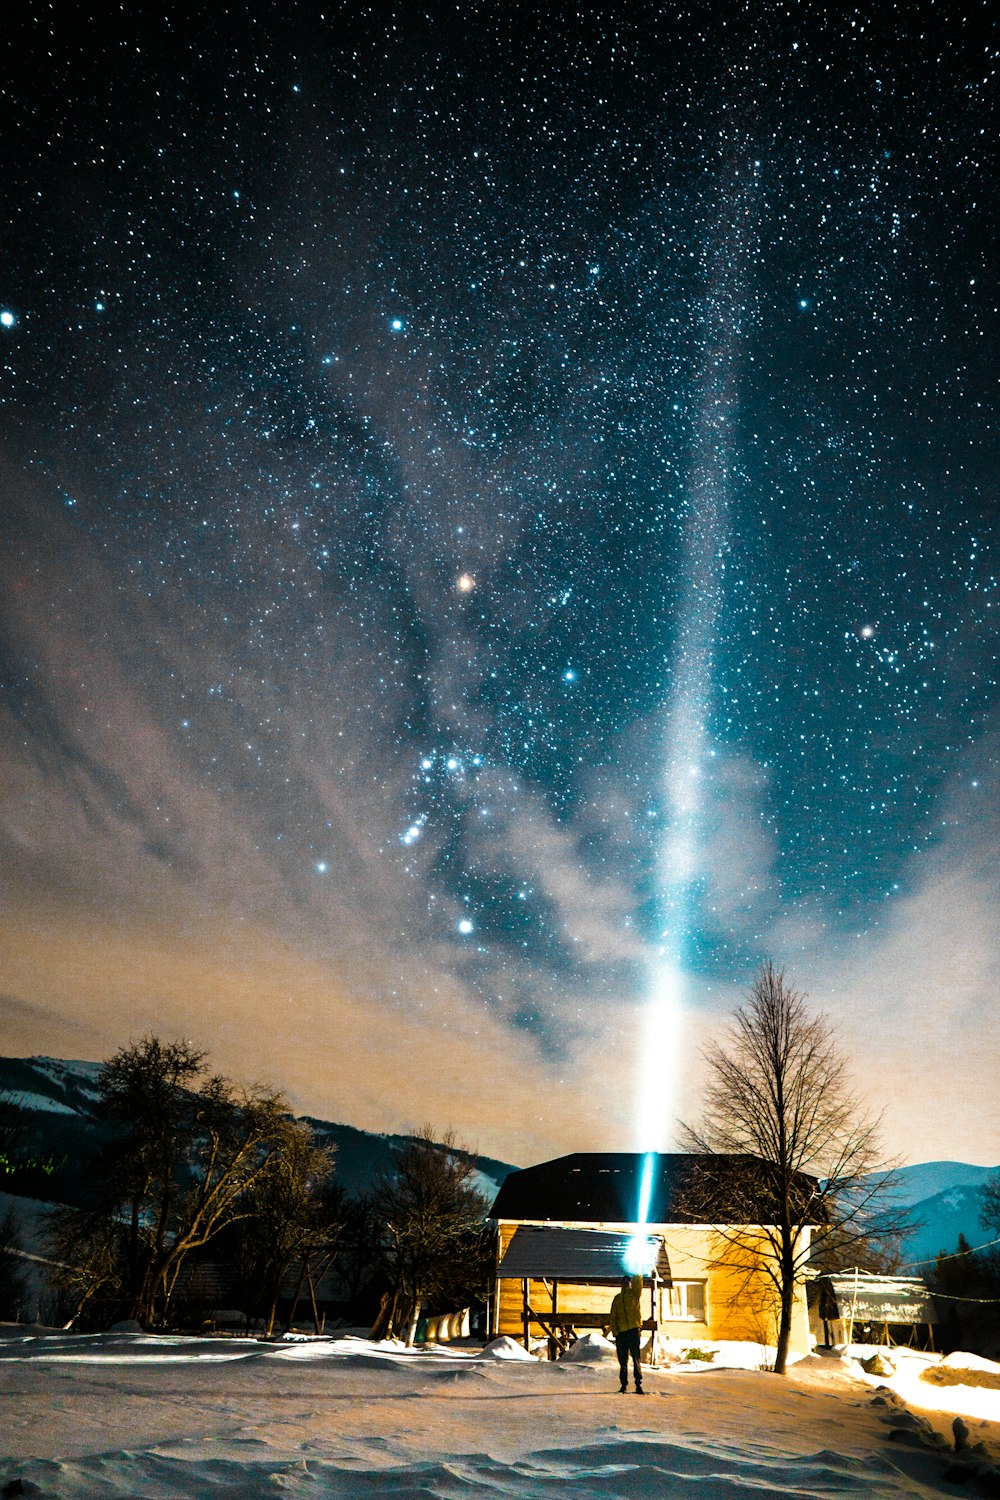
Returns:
<point x="84" y="1417"/>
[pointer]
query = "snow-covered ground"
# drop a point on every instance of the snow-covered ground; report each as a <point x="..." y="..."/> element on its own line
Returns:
<point x="126" y="1415"/>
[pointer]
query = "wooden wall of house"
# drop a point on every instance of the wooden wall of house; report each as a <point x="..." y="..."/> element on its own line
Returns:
<point x="738" y="1305"/>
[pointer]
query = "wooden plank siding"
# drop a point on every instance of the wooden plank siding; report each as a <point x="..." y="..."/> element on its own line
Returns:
<point x="739" y="1301"/>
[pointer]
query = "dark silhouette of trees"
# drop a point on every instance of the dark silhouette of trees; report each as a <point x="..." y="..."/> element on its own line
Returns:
<point x="13" y="1275"/>
<point x="777" y="1095"/>
<point x="294" y="1215"/>
<point x="435" y="1245"/>
<point x="966" y="1287"/>
<point x="187" y="1153"/>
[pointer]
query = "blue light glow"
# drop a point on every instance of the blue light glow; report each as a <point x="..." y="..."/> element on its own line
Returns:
<point x="640" y="1256"/>
<point x="688" y="751"/>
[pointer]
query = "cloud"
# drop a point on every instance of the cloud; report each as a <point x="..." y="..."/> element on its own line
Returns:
<point x="739" y="852"/>
<point x="917" y="999"/>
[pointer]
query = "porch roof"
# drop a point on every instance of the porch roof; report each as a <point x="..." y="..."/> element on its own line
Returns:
<point x="582" y="1255"/>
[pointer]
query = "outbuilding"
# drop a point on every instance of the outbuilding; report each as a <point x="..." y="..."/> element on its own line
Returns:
<point x="859" y="1307"/>
<point x="564" y="1229"/>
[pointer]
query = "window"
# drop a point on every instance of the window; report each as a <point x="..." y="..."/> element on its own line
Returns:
<point x="684" y="1302"/>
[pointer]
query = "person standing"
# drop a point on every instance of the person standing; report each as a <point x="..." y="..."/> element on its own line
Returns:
<point x="626" y="1320"/>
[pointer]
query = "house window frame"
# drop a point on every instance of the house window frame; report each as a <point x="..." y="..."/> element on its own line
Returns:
<point x="681" y="1285"/>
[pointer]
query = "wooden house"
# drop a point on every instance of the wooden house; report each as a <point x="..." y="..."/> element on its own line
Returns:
<point x="564" y="1229"/>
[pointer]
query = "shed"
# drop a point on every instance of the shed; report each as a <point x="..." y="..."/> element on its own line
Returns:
<point x="545" y="1259"/>
<point x="881" y="1308"/>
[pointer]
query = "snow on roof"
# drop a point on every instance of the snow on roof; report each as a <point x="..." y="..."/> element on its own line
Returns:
<point x="880" y="1299"/>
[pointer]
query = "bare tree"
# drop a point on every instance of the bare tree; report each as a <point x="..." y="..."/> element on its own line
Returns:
<point x="293" y="1218"/>
<point x="187" y="1153"/>
<point x="787" y="1147"/>
<point x="435" y="1229"/>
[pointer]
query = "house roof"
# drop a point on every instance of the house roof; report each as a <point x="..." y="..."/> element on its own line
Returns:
<point x="875" y="1299"/>
<point x="595" y="1187"/>
<point x="584" y="1255"/>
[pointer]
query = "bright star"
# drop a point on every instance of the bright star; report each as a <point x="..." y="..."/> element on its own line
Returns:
<point x="465" y="583"/>
<point x="321" y="867"/>
<point x="7" y="318"/>
<point x="465" y="926"/>
<point x="397" y="325"/>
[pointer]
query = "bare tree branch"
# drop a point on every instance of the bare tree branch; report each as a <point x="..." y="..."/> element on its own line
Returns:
<point x="780" y="1125"/>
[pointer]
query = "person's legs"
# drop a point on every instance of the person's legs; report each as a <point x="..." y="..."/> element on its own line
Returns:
<point x="633" y="1336"/>
<point x="622" y="1348"/>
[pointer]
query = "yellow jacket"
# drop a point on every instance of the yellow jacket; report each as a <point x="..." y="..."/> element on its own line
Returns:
<point x="625" y="1311"/>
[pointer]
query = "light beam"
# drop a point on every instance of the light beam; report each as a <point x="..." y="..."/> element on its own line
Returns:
<point x="705" y="544"/>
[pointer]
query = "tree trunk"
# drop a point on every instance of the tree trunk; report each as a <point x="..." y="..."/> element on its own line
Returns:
<point x="411" y="1332"/>
<point x="312" y="1297"/>
<point x="382" y="1326"/>
<point x="784" y="1325"/>
<point x="295" y="1300"/>
<point x="272" y="1313"/>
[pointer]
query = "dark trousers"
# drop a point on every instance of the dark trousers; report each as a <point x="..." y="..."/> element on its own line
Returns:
<point x="628" y="1343"/>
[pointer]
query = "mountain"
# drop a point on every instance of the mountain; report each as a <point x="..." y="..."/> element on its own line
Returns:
<point x="941" y="1200"/>
<point x="54" y="1101"/>
<point x="915" y="1184"/>
<point x="940" y="1219"/>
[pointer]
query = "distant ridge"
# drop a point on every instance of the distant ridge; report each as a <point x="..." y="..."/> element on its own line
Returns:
<point x="56" y="1098"/>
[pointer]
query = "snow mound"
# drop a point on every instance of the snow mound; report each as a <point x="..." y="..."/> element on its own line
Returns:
<point x="507" y="1348"/>
<point x="589" y="1349"/>
<point x="964" y="1369"/>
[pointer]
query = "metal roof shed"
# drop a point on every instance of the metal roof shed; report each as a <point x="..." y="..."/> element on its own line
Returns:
<point x="573" y="1257"/>
<point x="585" y="1255"/>
<point x="853" y="1297"/>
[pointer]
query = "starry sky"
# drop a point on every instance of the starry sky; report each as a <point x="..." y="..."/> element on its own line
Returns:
<point x="492" y="496"/>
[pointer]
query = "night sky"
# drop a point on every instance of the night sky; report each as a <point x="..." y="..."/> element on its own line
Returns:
<point x="497" y="500"/>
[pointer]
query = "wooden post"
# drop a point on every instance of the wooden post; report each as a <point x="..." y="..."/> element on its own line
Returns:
<point x="553" y="1345"/>
<point x="524" y="1288"/>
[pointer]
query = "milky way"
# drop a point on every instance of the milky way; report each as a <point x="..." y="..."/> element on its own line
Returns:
<point x="500" y="527"/>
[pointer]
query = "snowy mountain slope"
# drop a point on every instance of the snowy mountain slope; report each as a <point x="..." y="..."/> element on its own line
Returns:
<point x="942" y="1199"/>
<point x="940" y="1219"/>
<point x="64" y="1086"/>
<point x="55" y="1099"/>
<point x="931" y="1178"/>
